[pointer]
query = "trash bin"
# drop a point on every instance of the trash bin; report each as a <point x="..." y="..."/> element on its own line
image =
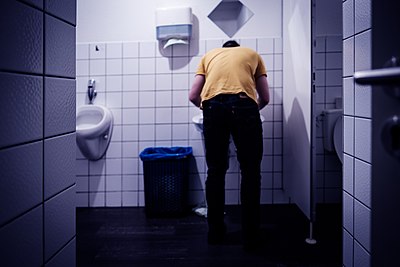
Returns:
<point x="166" y="172"/>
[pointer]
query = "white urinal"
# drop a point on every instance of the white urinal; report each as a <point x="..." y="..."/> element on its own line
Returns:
<point x="333" y="131"/>
<point x="94" y="126"/>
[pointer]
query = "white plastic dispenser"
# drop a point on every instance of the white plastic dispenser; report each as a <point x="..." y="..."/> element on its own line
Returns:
<point x="174" y="25"/>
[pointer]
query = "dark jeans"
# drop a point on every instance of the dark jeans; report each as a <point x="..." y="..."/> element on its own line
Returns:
<point x="236" y="116"/>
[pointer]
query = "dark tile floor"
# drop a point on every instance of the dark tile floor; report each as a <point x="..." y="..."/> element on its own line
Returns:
<point x="126" y="237"/>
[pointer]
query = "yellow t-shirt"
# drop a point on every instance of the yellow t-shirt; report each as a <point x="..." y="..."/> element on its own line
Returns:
<point x="230" y="70"/>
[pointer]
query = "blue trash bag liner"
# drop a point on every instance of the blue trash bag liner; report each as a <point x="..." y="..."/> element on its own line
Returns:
<point x="155" y="153"/>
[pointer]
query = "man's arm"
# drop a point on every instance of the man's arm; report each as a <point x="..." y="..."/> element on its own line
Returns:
<point x="263" y="91"/>
<point x="195" y="91"/>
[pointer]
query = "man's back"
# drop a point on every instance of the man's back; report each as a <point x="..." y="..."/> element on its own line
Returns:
<point x="230" y="71"/>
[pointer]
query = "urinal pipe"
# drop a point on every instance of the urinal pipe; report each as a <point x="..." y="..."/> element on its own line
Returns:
<point x="92" y="93"/>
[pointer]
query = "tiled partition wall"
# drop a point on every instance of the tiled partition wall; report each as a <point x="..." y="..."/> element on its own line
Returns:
<point x="357" y="135"/>
<point x="328" y="66"/>
<point x="37" y="137"/>
<point x="147" y="91"/>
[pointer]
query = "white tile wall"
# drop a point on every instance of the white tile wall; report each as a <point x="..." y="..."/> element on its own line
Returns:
<point x="37" y="80"/>
<point x="357" y="135"/>
<point x="328" y="67"/>
<point x="147" y="91"/>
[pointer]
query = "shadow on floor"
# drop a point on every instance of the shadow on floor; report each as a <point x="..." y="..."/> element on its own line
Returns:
<point x="126" y="237"/>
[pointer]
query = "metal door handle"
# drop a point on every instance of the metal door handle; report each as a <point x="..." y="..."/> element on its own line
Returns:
<point x="386" y="76"/>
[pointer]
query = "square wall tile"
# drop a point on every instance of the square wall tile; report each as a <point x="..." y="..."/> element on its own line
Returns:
<point x="97" y="67"/>
<point x="362" y="185"/>
<point x="59" y="164"/>
<point x="22" y="50"/>
<point x="82" y="199"/>
<point x="82" y="184"/>
<point x="130" y="183"/>
<point x="164" y="99"/>
<point x="114" y="50"/>
<point x="147" y="116"/>
<point x="97" y="167"/>
<point x="348" y="212"/>
<point x="97" y="51"/>
<point x="147" y="49"/>
<point x="361" y="257"/>
<point x="63" y="9"/>
<point x="113" y="199"/>
<point x="348" y="18"/>
<point x="82" y="166"/>
<point x="114" y="150"/>
<point x="362" y="225"/>
<point x="268" y="62"/>
<point x="82" y="51"/>
<point x="362" y="47"/>
<point x="21" y="175"/>
<point x="114" y="83"/>
<point x="130" y="199"/>
<point x="265" y="45"/>
<point x="130" y="66"/>
<point x="147" y="99"/>
<point x="97" y="199"/>
<point x="250" y="43"/>
<point x="21" y="108"/>
<point x="180" y="64"/>
<point x="82" y="68"/>
<point x="23" y="237"/>
<point x="37" y="3"/>
<point x="180" y="82"/>
<point x="348" y="174"/>
<point x="363" y="100"/>
<point x="59" y="106"/>
<point x="129" y="100"/>
<point x="60" y="45"/>
<point x="59" y="218"/>
<point x="334" y="44"/>
<point x="320" y="45"/>
<point x="278" y="46"/>
<point x="97" y="183"/>
<point x="114" y="66"/>
<point x="163" y="65"/>
<point x="147" y="65"/>
<point x="130" y="116"/>
<point x="347" y="249"/>
<point x="113" y="167"/>
<point x="147" y="83"/>
<point x="362" y="135"/>
<point x="130" y="82"/>
<point x="163" y="82"/>
<point x="348" y="135"/>
<point x="348" y="57"/>
<point x="363" y="15"/>
<point x="130" y="49"/>
<point x="348" y="96"/>
<point x="66" y="257"/>
<point x="334" y="60"/>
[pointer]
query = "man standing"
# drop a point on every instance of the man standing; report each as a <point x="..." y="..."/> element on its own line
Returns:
<point x="231" y="87"/>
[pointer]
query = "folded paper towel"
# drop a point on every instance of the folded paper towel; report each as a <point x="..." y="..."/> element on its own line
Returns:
<point x="174" y="41"/>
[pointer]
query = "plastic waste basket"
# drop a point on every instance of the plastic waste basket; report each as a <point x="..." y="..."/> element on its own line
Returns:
<point x="166" y="173"/>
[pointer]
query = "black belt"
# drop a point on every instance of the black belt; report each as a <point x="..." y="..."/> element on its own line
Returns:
<point x="225" y="97"/>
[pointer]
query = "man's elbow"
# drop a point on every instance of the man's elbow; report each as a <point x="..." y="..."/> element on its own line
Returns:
<point x="194" y="99"/>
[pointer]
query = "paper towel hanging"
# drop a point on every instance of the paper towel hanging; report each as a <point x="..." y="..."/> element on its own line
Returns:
<point x="174" y="25"/>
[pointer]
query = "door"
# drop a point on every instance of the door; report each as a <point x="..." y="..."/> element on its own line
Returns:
<point x="297" y="103"/>
<point x="385" y="79"/>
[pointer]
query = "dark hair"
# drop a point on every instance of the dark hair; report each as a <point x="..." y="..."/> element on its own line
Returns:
<point x="231" y="43"/>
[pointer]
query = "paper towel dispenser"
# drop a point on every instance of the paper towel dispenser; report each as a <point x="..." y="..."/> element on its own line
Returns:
<point x="174" y="25"/>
